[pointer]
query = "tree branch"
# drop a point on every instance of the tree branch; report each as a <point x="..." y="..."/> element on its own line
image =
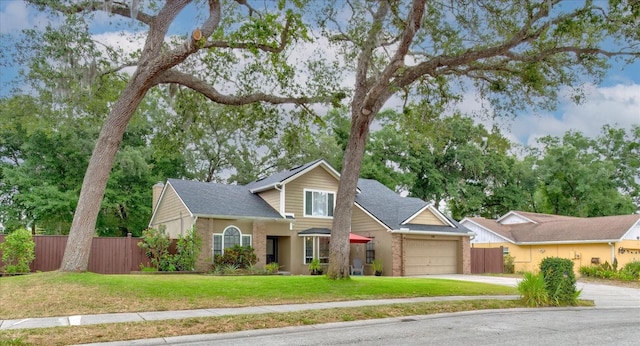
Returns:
<point x="263" y="47"/>
<point x="120" y="9"/>
<point x="198" y="85"/>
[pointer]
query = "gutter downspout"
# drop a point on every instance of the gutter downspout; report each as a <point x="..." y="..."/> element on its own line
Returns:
<point x="613" y="252"/>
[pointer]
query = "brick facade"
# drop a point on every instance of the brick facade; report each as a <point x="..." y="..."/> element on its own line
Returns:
<point x="259" y="242"/>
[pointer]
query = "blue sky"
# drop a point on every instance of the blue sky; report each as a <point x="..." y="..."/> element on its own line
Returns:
<point x="615" y="101"/>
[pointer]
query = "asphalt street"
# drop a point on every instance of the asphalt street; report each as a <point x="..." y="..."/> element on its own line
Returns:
<point x="588" y="326"/>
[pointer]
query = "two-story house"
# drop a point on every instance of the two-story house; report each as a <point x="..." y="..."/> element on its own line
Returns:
<point x="287" y="219"/>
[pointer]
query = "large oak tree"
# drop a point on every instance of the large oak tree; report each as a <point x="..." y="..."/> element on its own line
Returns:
<point x="514" y="54"/>
<point x="234" y="54"/>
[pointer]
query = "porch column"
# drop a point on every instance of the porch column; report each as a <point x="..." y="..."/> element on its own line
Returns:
<point x="260" y="242"/>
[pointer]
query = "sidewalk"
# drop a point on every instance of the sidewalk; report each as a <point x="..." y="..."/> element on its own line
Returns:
<point x="604" y="296"/>
<point x="81" y="320"/>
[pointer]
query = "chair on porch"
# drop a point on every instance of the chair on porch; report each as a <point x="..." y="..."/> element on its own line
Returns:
<point x="357" y="267"/>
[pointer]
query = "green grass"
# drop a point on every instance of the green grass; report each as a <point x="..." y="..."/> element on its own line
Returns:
<point x="48" y="294"/>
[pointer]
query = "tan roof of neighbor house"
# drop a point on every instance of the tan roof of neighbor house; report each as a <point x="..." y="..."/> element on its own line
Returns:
<point x="540" y="218"/>
<point x="562" y="228"/>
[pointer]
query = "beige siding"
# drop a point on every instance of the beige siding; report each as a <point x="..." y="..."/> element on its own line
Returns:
<point x="316" y="179"/>
<point x="172" y="213"/>
<point x="272" y="197"/>
<point x="427" y="217"/>
<point x="362" y="222"/>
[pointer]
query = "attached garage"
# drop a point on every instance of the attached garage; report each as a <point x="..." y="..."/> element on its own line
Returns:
<point x="428" y="256"/>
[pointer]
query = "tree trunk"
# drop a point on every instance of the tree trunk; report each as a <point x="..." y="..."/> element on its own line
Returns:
<point x="76" y="254"/>
<point x="351" y="163"/>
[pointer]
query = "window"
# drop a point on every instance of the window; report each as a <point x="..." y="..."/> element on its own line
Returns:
<point x="370" y="251"/>
<point x="505" y="250"/>
<point x="323" y="249"/>
<point x="318" y="203"/>
<point x="308" y="249"/>
<point x="230" y="237"/>
<point x="316" y="247"/>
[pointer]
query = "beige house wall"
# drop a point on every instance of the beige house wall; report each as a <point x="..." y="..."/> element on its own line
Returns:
<point x="272" y="197"/>
<point x="316" y="179"/>
<point x="427" y="218"/>
<point x="366" y="226"/>
<point x="172" y="213"/>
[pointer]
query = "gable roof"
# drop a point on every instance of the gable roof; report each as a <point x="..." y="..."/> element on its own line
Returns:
<point x="288" y="175"/>
<point x="535" y="217"/>
<point x="381" y="203"/>
<point x="392" y="209"/>
<point x="562" y="229"/>
<point x="212" y="199"/>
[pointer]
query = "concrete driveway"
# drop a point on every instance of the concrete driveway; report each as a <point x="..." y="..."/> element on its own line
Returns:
<point x="604" y="296"/>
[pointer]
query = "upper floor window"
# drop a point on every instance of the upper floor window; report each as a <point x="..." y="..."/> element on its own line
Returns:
<point x="318" y="203"/>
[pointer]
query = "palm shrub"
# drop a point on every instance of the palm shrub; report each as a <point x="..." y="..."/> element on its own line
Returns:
<point x="18" y="251"/>
<point x="533" y="291"/>
<point x="560" y="281"/>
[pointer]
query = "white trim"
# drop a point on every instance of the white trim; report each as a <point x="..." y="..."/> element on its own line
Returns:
<point x="304" y="203"/>
<point x="282" y="201"/>
<point x="315" y="235"/>
<point x="514" y="213"/>
<point x="415" y="232"/>
<point x="604" y="241"/>
<point x="238" y="217"/>
<point x="371" y="216"/>
<point x="486" y="229"/>
<point x="164" y="189"/>
<point x="435" y="211"/>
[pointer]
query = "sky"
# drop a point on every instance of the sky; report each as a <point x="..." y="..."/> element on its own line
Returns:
<point x="615" y="101"/>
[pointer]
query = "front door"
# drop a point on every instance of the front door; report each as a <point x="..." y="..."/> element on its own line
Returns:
<point x="272" y="249"/>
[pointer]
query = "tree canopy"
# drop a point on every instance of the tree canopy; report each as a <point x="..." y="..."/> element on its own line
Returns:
<point x="513" y="55"/>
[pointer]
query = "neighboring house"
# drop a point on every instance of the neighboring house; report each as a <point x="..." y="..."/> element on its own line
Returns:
<point x="287" y="219"/>
<point x="531" y="237"/>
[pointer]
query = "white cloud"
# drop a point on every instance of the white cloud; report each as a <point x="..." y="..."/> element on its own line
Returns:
<point x="15" y="16"/>
<point x="617" y="105"/>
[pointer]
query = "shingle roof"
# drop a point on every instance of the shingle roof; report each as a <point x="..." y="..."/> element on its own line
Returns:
<point x="214" y="199"/>
<point x="392" y="209"/>
<point x="564" y="229"/>
<point x="279" y="177"/>
<point x="222" y="200"/>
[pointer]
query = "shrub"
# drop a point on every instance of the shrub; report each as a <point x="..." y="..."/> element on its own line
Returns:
<point x="242" y="257"/>
<point x="18" y="251"/>
<point x="560" y="281"/>
<point x="187" y="251"/>
<point x="155" y="244"/>
<point x="533" y="291"/>
<point x="631" y="271"/>
<point x="272" y="268"/>
<point x="508" y="267"/>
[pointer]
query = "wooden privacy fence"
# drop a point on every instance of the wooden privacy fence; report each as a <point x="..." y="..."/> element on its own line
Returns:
<point x="487" y="260"/>
<point x="117" y="255"/>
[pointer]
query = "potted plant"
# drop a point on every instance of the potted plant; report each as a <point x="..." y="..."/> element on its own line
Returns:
<point x="314" y="267"/>
<point x="376" y="265"/>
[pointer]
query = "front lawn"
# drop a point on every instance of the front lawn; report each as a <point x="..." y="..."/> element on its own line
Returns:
<point x="61" y="294"/>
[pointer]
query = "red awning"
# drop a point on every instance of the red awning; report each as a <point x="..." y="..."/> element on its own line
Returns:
<point x="358" y="239"/>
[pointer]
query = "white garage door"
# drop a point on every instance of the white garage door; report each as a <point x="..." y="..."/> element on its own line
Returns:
<point x="425" y="257"/>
